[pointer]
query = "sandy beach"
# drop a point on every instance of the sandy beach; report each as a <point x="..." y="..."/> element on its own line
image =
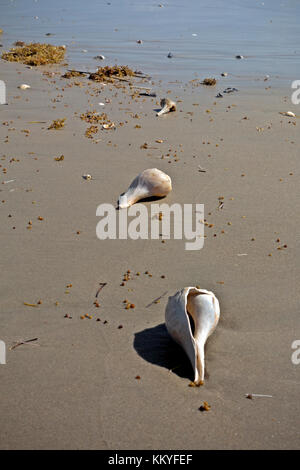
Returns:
<point x="75" y="387"/>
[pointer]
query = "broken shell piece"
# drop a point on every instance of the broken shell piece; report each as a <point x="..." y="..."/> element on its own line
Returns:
<point x="111" y="125"/>
<point x="167" y="106"/>
<point x="24" y="86"/>
<point x="148" y="183"/>
<point x="289" y="114"/>
<point x="87" y="177"/>
<point x="191" y="316"/>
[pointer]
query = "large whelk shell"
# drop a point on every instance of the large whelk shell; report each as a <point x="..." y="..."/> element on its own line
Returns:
<point x="192" y="314"/>
<point x="149" y="183"/>
<point x="166" y="106"/>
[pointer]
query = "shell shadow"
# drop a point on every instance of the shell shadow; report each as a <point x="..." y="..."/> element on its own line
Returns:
<point x="146" y="199"/>
<point x="156" y="346"/>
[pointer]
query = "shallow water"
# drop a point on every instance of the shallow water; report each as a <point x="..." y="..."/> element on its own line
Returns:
<point x="203" y="36"/>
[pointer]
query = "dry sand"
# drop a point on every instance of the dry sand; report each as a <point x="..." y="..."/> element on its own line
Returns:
<point x="77" y="389"/>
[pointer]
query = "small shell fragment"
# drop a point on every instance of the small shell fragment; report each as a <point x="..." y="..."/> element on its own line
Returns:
<point x="87" y="177"/>
<point x="24" y="86"/>
<point x="111" y="125"/>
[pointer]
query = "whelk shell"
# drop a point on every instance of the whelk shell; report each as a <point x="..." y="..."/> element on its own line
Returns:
<point x="166" y="106"/>
<point x="148" y="183"/>
<point x="191" y="316"/>
<point x="289" y="114"/>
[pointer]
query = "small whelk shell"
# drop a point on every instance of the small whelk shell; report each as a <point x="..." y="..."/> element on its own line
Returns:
<point x="149" y="183"/>
<point x="289" y="114"/>
<point x="191" y="315"/>
<point x="24" y="86"/>
<point x="166" y="106"/>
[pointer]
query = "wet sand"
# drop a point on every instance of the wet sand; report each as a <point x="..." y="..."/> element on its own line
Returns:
<point x="76" y="388"/>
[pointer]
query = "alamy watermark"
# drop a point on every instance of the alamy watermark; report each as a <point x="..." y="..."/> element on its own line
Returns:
<point x="134" y="223"/>
<point x="296" y="94"/>
<point x="295" y="357"/>
<point x="2" y="352"/>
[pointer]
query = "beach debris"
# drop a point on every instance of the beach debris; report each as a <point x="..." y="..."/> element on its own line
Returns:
<point x="108" y="73"/>
<point x="24" y="86"/>
<point x="239" y="56"/>
<point x="35" y="54"/>
<point x="87" y="177"/>
<point x="1" y="31"/>
<point x="219" y="95"/>
<point x="157" y="300"/>
<point x="25" y="341"/>
<point x="151" y="95"/>
<point x="202" y="170"/>
<point x="139" y="41"/>
<point x="288" y="114"/>
<point x="148" y="183"/>
<point x="72" y="74"/>
<point x="94" y="117"/>
<point x="59" y="159"/>
<point x="205" y="407"/>
<point x="209" y="82"/>
<point x="100" y="57"/>
<point x="8" y="181"/>
<point x="108" y="126"/>
<point x="167" y="106"/>
<point x="170" y="55"/>
<point x="102" y="284"/>
<point x="90" y="131"/>
<point x="250" y="396"/>
<point x="230" y="90"/>
<point x="29" y="304"/>
<point x="191" y="316"/>
<point x="57" y="124"/>
<point x="224" y="74"/>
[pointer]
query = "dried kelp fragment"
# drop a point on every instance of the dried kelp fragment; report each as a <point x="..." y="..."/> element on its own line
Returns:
<point x="108" y="74"/>
<point x="35" y="54"/>
<point x="72" y="73"/>
<point x="209" y="82"/>
<point x="57" y="124"/>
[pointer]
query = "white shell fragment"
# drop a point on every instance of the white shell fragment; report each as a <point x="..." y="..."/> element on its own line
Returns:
<point x="166" y="106"/>
<point x="87" y="177"/>
<point x="289" y="114"/>
<point x="24" y="86"/>
<point x="191" y="316"/>
<point x="111" y="125"/>
<point x="149" y="183"/>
